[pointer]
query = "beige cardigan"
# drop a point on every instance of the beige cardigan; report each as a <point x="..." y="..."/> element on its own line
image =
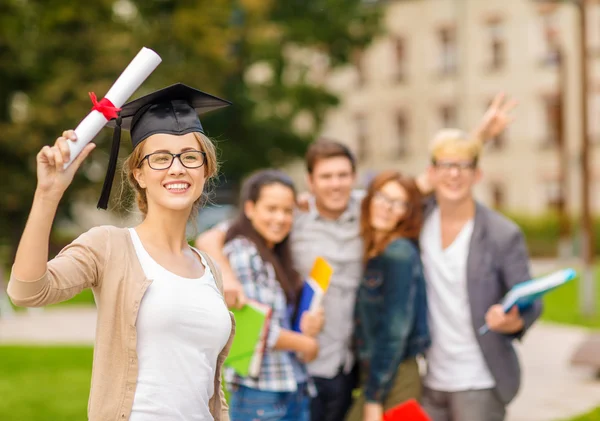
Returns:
<point x="104" y="259"/>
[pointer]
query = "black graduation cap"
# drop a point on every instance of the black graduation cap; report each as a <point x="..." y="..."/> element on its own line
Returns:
<point x="171" y="110"/>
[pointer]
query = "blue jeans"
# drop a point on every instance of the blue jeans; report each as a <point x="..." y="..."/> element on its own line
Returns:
<point x="247" y="404"/>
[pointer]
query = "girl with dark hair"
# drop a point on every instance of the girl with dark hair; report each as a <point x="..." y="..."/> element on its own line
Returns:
<point x="258" y="250"/>
<point x="391" y="307"/>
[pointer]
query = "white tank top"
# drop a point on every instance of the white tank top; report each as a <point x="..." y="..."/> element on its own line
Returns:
<point x="182" y="326"/>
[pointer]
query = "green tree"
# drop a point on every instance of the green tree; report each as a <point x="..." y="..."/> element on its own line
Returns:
<point x="53" y="52"/>
<point x="279" y="37"/>
<point x="285" y="40"/>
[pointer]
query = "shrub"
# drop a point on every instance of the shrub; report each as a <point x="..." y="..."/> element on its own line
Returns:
<point x="542" y="233"/>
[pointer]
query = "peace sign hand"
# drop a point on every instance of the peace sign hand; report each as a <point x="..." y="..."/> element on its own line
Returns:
<point x="496" y="118"/>
<point x="53" y="179"/>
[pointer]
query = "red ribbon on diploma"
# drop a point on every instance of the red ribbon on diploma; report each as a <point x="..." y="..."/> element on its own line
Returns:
<point x="107" y="108"/>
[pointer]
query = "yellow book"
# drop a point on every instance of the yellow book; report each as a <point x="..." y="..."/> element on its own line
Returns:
<point x="321" y="273"/>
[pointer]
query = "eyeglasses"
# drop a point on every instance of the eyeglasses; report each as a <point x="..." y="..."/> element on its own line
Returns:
<point x="460" y="166"/>
<point x="395" y="204"/>
<point x="164" y="160"/>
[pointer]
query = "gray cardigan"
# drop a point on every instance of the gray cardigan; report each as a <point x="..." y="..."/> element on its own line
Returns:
<point x="498" y="259"/>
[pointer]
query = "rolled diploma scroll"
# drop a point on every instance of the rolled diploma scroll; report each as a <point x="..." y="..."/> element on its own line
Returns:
<point x="132" y="77"/>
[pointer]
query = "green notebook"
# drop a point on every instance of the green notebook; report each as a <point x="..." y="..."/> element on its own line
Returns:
<point x="248" y="347"/>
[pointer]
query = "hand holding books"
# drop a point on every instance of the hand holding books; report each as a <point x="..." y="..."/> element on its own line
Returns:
<point x="311" y="321"/>
<point x="249" y="343"/>
<point x="313" y="291"/>
<point x="523" y="295"/>
<point x="500" y="321"/>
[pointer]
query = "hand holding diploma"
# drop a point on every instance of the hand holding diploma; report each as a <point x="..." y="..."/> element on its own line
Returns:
<point x="53" y="178"/>
<point x="106" y="109"/>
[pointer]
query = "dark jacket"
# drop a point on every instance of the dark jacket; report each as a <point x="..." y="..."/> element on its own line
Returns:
<point x="390" y="316"/>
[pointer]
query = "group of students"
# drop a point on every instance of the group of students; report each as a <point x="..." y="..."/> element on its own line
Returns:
<point x="418" y="264"/>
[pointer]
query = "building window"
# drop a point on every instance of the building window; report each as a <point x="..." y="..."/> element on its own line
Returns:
<point x="498" y="196"/>
<point x="402" y="135"/>
<point x="362" y="135"/>
<point x="594" y="27"/>
<point x="447" y="116"/>
<point x="400" y="58"/>
<point x="552" y="117"/>
<point x="448" y="51"/>
<point x="497" y="44"/>
<point x="551" y="52"/>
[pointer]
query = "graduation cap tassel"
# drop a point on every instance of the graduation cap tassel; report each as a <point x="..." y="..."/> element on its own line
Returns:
<point x="112" y="166"/>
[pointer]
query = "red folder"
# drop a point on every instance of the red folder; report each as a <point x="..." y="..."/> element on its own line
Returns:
<point x="406" y="411"/>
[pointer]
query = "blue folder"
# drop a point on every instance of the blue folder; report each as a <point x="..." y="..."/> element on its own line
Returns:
<point x="524" y="294"/>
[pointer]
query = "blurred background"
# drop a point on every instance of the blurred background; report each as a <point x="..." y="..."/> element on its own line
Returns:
<point x="380" y="76"/>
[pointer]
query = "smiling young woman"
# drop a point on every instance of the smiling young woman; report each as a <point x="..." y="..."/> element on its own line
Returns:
<point x="391" y="298"/>
<point x="202" y="153"/>
<point x="163" y="328"/>
<point x="258" y="249"/>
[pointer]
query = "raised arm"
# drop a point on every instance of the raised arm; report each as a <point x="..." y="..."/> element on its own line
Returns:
<point x="212" y="242"/>
<point x="496" y="118"/>
<point x="31" y="261"/>
<point x="494" y="121"/>
<point x="53" y="180"/>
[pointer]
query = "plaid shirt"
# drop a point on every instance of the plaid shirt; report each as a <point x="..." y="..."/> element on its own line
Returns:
<point x="280" y="370"/>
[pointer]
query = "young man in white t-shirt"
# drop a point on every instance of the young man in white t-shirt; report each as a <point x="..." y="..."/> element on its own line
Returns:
<point x="472" y="256"/>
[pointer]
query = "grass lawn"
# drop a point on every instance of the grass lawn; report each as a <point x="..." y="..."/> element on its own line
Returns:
<point x="44" y="383"/>
<point x="591" y="416"/>
<point x="562" y="305"/>
<point x="85" y="298"/>
<point x="52" y="383"/>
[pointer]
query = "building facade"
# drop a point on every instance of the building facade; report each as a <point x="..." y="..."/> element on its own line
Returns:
<point x="438" y="63"/>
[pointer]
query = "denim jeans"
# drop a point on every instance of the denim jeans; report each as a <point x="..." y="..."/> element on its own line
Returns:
<point x="247" y="404"/>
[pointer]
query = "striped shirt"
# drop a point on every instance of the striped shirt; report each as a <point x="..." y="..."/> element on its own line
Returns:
<point x="280" y="370"/>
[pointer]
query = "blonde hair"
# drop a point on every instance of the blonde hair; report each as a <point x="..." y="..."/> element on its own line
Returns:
<point x="134" y="160"/>
<point x="455" y="142"/>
